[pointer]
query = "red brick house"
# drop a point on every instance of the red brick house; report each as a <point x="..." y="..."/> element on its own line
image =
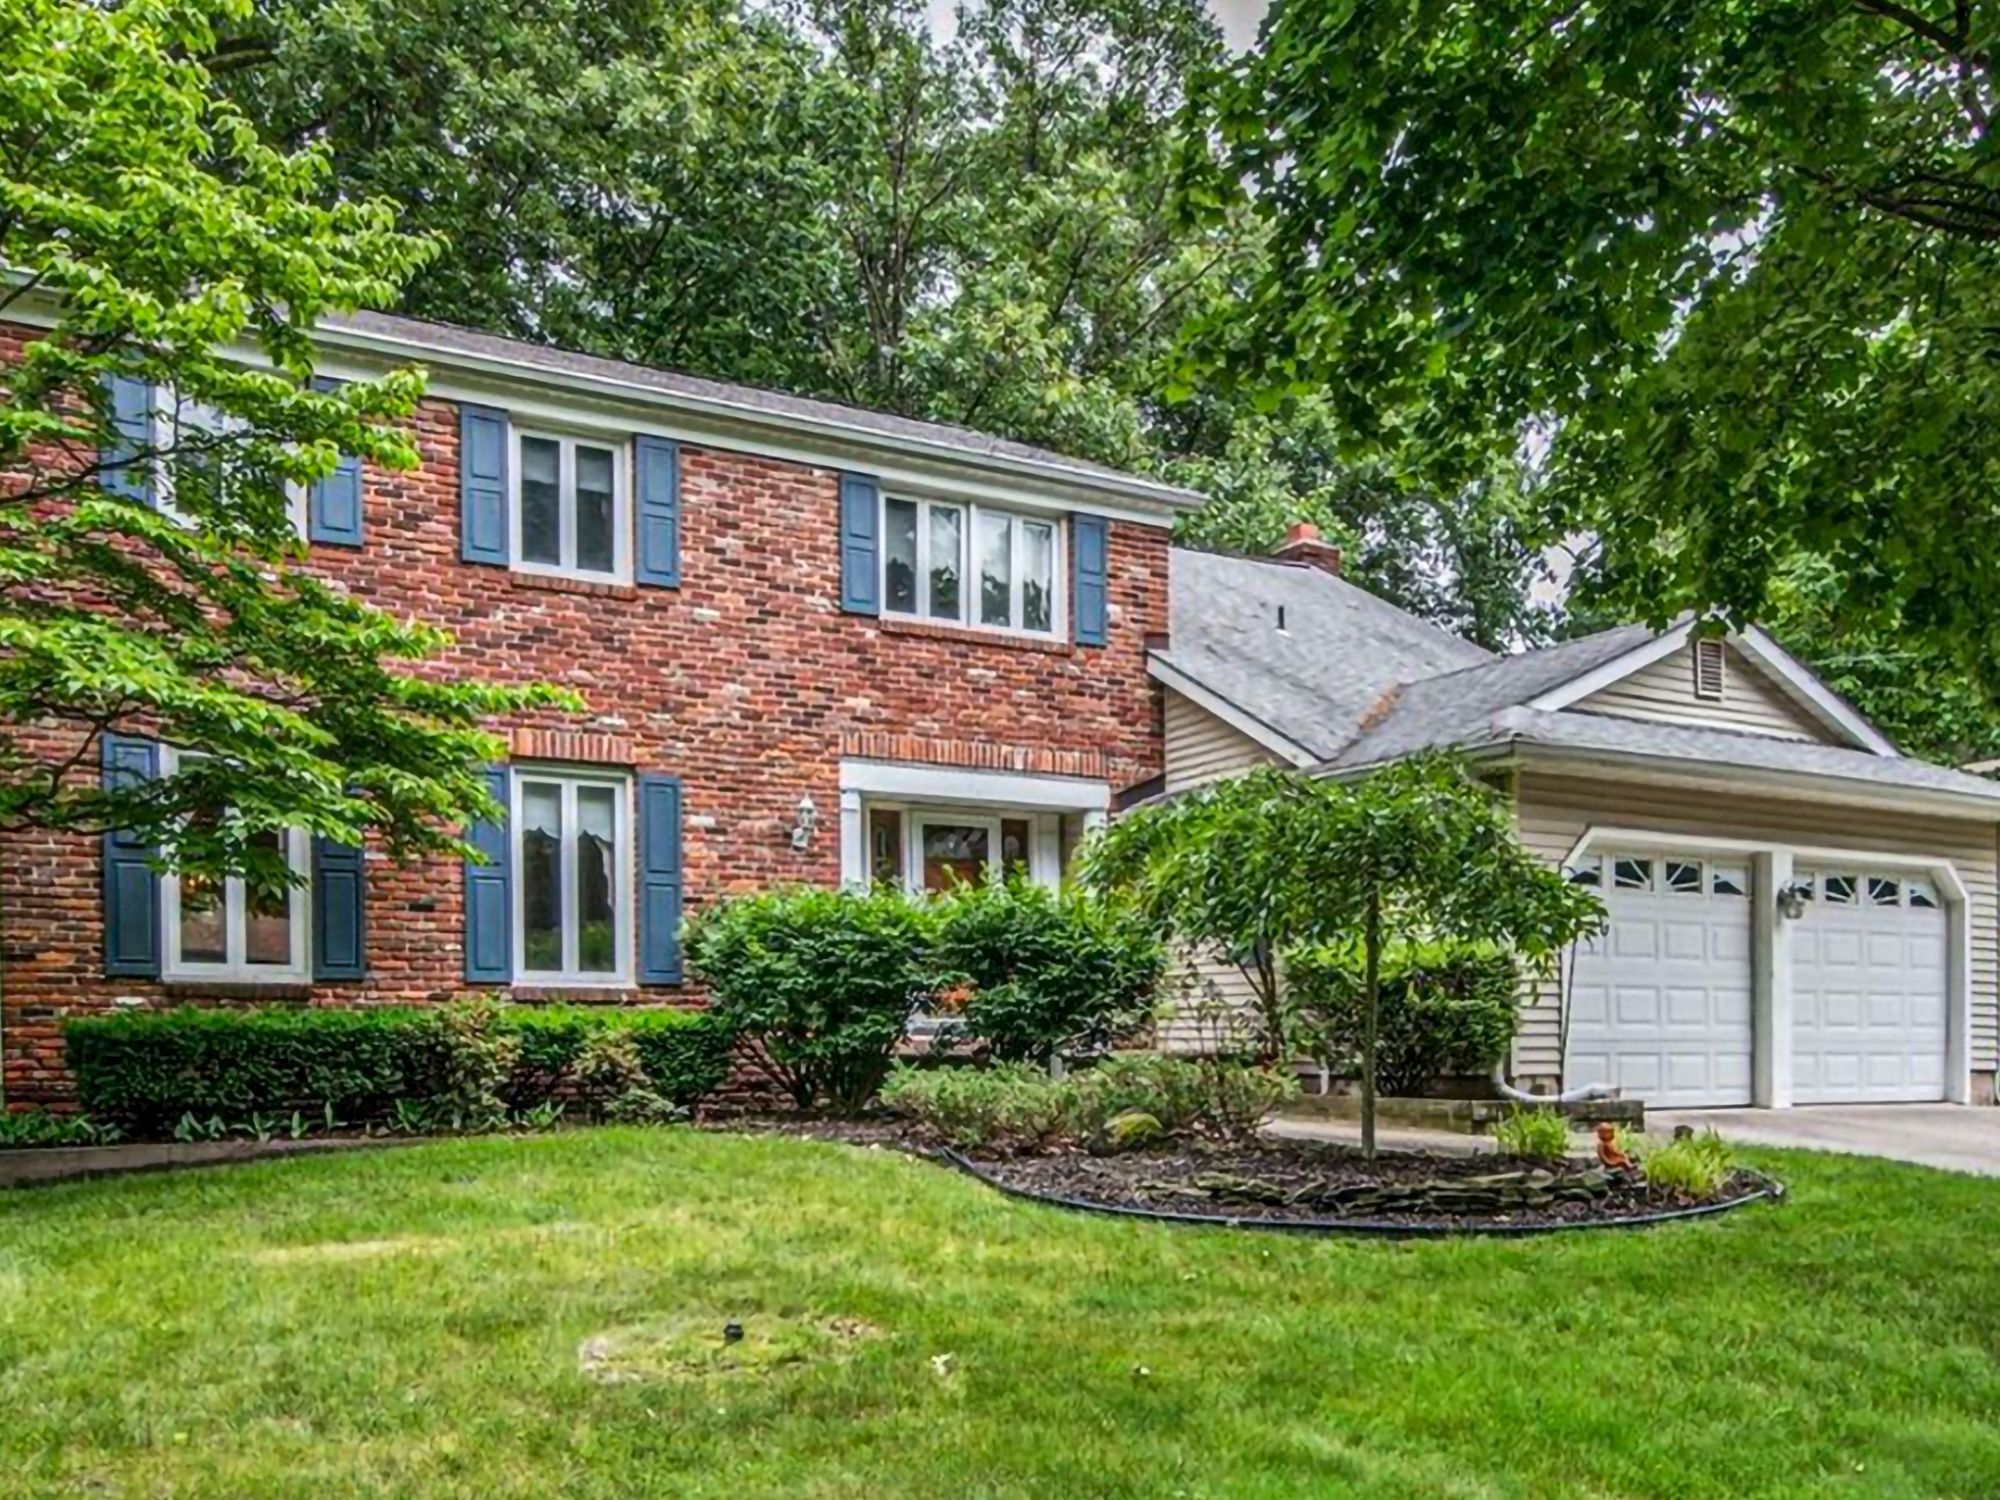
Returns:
<point x="816" y="643"/>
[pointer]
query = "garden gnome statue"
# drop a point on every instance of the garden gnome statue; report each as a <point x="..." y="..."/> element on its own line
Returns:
<point x="1607" y="1148"/>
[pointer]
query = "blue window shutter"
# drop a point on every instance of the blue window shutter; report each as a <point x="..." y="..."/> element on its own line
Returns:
<point x="489" y="896"/>
<point x="333" y="510"/>
<point x="660" y="880"/>
<point x="658" y="464"/>
<point x="860" y="544"/>
<point x="482" y="484"/>
<point x="131" y="888"/>
<point x="339" y="911"/>
<point x="1090" y="552"/>
<point x="131" y="404"/>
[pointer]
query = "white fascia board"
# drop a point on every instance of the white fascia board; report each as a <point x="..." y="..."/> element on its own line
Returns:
<point x="1615" y="670"/>
<point x="1247" y="724"/>
<point x="951" y="784"/>
<point x="1800" y="683"/>
<point x="899" y="460"/>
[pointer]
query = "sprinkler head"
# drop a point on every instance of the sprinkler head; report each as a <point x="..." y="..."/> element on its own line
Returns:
<point x="732" y="1332"/>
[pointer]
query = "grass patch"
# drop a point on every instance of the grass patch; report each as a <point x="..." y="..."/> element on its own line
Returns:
<point x="421" y="1322"/>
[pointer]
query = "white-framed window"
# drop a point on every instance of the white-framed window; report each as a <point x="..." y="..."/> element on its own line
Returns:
<point x="186" y="436"/>
<point x="224" y="928"/>
<point x="572" y="876"/>
<point x="570" y="512"/>
<point x="929" y="847"/>
<point x="972" y="565"/>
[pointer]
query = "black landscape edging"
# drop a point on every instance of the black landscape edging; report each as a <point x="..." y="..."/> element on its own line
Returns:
<point x="1769" y="1190"/>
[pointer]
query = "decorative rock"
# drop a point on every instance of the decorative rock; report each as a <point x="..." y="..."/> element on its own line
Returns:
<point x="1132" y="1131"/>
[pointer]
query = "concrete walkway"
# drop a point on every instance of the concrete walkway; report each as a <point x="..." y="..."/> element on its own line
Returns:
<point x="1931" y="1135"/>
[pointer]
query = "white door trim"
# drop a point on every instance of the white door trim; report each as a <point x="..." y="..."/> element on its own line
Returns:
<point x="1771" y="977"/>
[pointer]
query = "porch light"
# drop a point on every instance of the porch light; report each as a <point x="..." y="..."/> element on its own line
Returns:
<point x="1792" y="899"/>
<point x="806" y="825"/>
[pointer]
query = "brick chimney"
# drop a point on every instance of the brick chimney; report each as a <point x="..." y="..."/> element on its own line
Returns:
<point x="1304" y="544"/>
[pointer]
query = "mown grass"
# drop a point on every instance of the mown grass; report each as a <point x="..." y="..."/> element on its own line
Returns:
<point x="408" y="1323"/>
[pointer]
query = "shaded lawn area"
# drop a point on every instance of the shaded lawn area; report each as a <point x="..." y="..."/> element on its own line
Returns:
<point x="409" y="1323"/>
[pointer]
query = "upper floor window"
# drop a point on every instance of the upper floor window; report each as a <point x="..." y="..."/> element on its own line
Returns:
<point x="574" y="855"/>
<point x="971" y="565"/>
<point x="227" y="928"/>
<point x="199" y="456"/>
<point x="570" y="512"/>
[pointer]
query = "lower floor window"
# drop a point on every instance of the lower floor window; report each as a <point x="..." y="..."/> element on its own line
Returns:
<point x="227" y="927"/>
<point x="934" y="848"/>
<point x="572" y="856"/>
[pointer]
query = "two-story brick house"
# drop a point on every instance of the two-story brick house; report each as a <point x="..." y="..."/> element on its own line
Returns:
<point x="816" y="644"/>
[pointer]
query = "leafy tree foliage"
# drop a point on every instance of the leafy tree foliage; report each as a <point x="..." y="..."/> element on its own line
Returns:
<point x="1737" y="264"/>
<point x="1276" y="860"/>
<point x="169" y="245"/>
<point x="828" y="198"/>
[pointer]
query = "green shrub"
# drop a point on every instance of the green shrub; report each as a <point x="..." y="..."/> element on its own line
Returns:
<point x="147" y="1069"/>
<point x="1226" y="1098"/>
<point x="34" y="1127"/>
<point x="1445" y="1010"/>
<point x="1542" y="1134"/>
<point x="463" y="1067"/>
<point x="1048" y="971"/>
<point x="1010" y="1106"/>
<point x="1005" y="1107"/>
<point x="1695" y="1166"/>
<point x="818" y="984"/>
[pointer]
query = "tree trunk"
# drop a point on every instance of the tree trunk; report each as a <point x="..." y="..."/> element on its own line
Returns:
<point x="1371" y="1009"/>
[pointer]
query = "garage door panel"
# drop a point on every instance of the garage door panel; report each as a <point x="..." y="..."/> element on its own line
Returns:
<point x="1869" y="988"/>
<point x="1675" y="965"/>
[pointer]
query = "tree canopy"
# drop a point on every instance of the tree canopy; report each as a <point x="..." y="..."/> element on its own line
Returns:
<point x="150" y="567"/>
<point x="1730" y="270"/>
<point x="1276" y="861"/>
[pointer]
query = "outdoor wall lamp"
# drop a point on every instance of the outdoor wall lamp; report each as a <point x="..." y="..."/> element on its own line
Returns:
<point x="806" y="825"/>
<point x="1792" y="899"/>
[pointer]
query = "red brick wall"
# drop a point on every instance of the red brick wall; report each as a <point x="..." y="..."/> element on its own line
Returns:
<point x="747" y="681"/>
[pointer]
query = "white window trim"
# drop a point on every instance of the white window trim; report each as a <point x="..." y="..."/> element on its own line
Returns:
<point x="967" y="617"/>
<point x="163" y="433"/>
<point x="235" y="969"/>
<point x="569" y="977"/>
<point x="566" y="440"/>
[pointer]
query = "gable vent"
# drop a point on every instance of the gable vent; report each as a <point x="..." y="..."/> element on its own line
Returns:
<point x="1710" y="658"/>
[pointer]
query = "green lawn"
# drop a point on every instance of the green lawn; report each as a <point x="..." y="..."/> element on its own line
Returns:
<point x="408" y="1323"/>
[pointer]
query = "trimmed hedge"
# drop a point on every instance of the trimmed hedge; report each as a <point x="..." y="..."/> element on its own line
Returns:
<point x="145" y="1070"/>
<point x="1447" y="1011"/>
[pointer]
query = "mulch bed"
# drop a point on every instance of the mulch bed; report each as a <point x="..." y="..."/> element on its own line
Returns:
<point x="1305" y="1185"/>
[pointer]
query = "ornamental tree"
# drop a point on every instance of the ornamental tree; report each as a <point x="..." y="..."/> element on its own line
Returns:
<point x="1732" y="265"/>
<point x="1274" y="860"/>
<point x="151" y="244"/>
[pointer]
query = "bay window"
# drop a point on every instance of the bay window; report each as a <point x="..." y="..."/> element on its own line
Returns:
<point x="569" y="506"/>
<point x="573" y="856"/>
<point x="971" y="565"/>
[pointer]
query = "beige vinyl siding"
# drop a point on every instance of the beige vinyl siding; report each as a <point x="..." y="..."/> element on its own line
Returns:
<point x="1664" y="692"/>
<point x="1554" y="812"/>
<point x="1205" y="993"/>
<point x="1200" y="747"/>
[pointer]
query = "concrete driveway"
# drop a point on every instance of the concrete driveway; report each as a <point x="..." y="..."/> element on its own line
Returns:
<point x="1932" y="1135"/>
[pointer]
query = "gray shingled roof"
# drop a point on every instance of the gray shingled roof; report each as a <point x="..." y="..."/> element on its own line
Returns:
<point x="1358" y="682"/>
<point x="1316" y="681"/>
<point x="445" y="339"/>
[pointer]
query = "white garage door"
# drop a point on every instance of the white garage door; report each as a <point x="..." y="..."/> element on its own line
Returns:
<point x="1868" y="989"/>
<point x="1660" y="1004"/>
